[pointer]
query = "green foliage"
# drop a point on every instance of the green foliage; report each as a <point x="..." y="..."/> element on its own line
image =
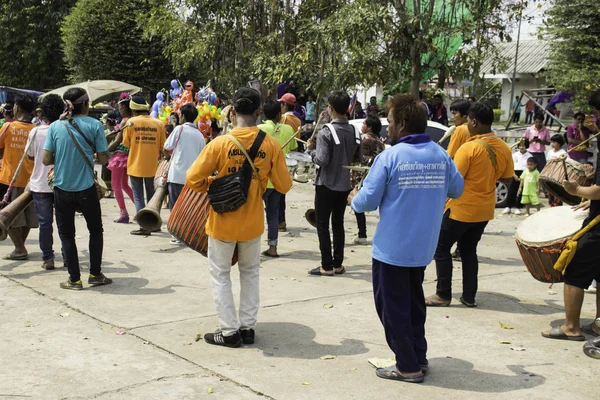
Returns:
<point x="103" y="39"/>
<point x="574" y="32"/>
<point x="30" y="55"/>
<point x="498" y="113"/>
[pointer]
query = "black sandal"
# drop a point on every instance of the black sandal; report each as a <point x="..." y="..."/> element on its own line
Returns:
<point x="317" y="271"/>
<point x="141" y="232"/>
<point x="342" y="270"/>
<point x="267" y="254"/>
<point x="393" y="374"/>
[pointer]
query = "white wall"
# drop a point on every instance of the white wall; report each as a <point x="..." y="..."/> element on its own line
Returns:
<point x="526" y="82"/>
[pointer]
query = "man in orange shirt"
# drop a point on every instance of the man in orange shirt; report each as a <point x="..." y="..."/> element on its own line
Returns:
<point x="243" y="227"/>
<point x="287" y="103"/>
<point x="145" y="140"/>
<point x="13" y="138"/>
<point x="482" y="161"/>
<point x="459" y="110"/>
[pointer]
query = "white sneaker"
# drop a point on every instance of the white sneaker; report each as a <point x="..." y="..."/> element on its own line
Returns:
<point x="361" y="241"/>
<point x="514" y="210"/>
<point x="176" y="242"/>
<point x="506" y="211"/>
<point x="517" y="212"/>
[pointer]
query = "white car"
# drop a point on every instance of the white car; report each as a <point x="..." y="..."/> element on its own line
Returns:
<point x="436" y="132"/>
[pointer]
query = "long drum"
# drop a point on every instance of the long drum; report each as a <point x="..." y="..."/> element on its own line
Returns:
<point x="542" y="236"/>
<point x="187" y="221"/>
<point x="12" y="210"/>
<point x="553" y="175"/>
<point x="148" y="218"/>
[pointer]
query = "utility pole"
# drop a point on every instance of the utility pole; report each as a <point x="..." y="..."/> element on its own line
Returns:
<point x="514" y="77"/>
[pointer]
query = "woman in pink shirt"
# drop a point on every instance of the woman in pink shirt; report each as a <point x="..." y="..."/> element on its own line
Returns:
<point x="576" y="134"/>
<point x="538" y="137"/>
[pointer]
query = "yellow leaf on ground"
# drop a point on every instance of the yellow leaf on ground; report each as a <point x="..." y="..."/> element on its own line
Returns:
<point x="505" y="326"/>
<point x="503" y="342"/>
<point x="327" y="305"/>
<point x="352" y="369"/>
<point x="210" y="391"/>
<point x="327" y="357"/>
<point x="381" y="362"/>
<point x="306" y="383"/>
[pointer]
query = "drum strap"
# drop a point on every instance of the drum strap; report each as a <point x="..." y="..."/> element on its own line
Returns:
<point x="489" y="150"/>
<point x="570" y="248"/>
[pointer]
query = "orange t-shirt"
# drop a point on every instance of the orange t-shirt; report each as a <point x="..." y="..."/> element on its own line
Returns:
<point x="13" y="138"/>
<point x="460" y="136"/>
<point x="291" y="120"/>
<point x="145" y="140"/>
<point x="223" y="155"/>
<point x="478" y="200"/>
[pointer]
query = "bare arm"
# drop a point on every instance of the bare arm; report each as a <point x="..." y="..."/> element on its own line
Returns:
<point x="103" y="158"/>
<point x="115" y="143"/>
<point x="48" y="158"/>
<point x="589" y="192"/>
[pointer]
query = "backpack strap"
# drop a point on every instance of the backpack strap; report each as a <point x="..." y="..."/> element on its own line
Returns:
<point x="489" y="150"/>
<point x="336" y="139"/>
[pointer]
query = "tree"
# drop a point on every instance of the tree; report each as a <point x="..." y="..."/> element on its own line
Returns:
<point x="572" y="28"/>
<point x="30" y="55"/>
<point x="104" y="39"/>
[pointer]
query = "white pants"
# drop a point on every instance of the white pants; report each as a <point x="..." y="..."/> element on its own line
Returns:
<point x="219" y="266"/>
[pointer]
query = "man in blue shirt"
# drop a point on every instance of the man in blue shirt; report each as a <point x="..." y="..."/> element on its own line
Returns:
<point x="409" y="183"/>
<point x="74" y="187"/>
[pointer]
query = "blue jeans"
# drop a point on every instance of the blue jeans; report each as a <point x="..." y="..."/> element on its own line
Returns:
<point x="44" y="208"/>
<point x="174" y="192"/>
<point x="137" y="185"/>
<point x="272" y="199"/>
<point x="86" y="201"/>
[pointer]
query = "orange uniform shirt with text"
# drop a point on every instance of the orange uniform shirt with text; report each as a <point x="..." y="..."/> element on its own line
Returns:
<point x="13" y="138"/>
<point x="478" y="201"/>
<point x="460" y="136"/>
<point x="145" y="140"/>
<point x="222" y="155"/>
<point x="291" y="120"/>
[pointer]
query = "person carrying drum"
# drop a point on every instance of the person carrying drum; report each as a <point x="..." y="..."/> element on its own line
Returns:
<point x="272" y="197"/>
<point x="337" y="145"/>
<point x="482" y="161"/>
<point x="585" y="265"/>
<point x="244" y="226"/>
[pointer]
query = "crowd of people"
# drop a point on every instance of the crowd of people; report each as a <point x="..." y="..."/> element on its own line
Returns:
<point x="439" y="198"/>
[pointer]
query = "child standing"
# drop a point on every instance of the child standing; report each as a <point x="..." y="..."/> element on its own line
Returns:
<point x="520" y="157"/>
<point x="556" y="142"/>
<point x="530" y="186"/>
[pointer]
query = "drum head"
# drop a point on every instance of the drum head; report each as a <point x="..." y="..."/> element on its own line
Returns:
<point x="550" y="225"/>
<point x="291" y="163"/>
<point x="295" y="155"/>
<point x="558" y="191"/>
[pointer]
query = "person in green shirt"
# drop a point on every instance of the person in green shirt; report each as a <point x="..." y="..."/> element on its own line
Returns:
<point x="530" y="186"/>
<point x="271" y="197"/>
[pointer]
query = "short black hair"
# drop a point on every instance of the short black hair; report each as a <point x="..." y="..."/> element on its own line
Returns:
<point x="52" y="106"/>
<point x="460" y="106"/>
<point x="538" y="117"/>
<point x="594" y="100"/>
<point x="525" y="141"/>
<point x="246" y="101"/>
<point x="374" y="123"/>
<point x="169" y="128"/>
<point x="473" y="99"/>
<point x="558" y="138"/>
<point x="532" y="160"/>
<point x="25" y="103"/>
<point x="481" y="112"/>
<point x="272" y="109"/>
<point x="189" y="112"/>
<point x="75" y="94"/>
<point x="174" y="114"/>
<point x="409" y="110"/>
<point x="339" y="101"/>
<point x="578" y="114"/>
<point x="439" y="96"/>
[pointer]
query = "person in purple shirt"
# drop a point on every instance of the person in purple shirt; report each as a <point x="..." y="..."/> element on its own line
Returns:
<point x="576" y="134"/>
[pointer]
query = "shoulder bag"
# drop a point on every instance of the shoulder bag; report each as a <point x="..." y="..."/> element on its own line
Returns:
<point x="230" y="192"/>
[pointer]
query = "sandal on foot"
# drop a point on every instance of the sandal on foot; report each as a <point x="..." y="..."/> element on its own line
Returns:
<point x="558" y="333"/>
<point x="317" y="271"/>
<point x="267" y="254"/>
<point x="15" y="257"/>
<point x="339" y="271"/>
<point x="468" y="304"/>
<point x="589" y="329"/>
<point x="393" y="373"/>
<point x="141" y="232"/>
<point x="436" y="301"/>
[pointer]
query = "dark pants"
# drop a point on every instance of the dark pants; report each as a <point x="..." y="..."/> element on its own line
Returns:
<point x="272" y="197"/>
<point x="540" y="159"/>
<point x="137" y="185"/>
<point x="514" y="201"/>
<point x="468" y="235"/>
<point x="516" y="117"/>
<point x="361" y="221"/>
<point x="281" y="213"/>
<point x="86" y="201"/>
<point x="330" y="205"/>
<point x="174" y="192"/>
<point x="529" y="117"/>
<point x="400" y="304"/>
<point x="44" y="208"/>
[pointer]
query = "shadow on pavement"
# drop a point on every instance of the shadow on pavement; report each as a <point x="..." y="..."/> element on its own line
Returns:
<point x="457" y="374"/>
<point x="133" y="287"/>
<point x="510" y="304"/>
<point x="291" y="340"/>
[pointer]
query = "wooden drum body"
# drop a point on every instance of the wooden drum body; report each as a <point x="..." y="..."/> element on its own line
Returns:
<point x="162" y="173"/>
<point x="187" y="221"/>
<point x="541" y="238"/>
<point x="553" y="175"/>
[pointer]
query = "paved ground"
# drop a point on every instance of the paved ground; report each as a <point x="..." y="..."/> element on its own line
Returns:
<point x="64" y="344"/>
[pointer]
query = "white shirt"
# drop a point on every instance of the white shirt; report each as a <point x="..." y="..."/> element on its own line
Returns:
<point x="520" y="160"/>
<point x="552" y="154"/>
<point x="39" y="177"/>
<point x="188" y="142"/>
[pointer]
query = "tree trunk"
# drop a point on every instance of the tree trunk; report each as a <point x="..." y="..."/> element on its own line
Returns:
<point x="442" y="78"/>
<point x="415" y="71"/>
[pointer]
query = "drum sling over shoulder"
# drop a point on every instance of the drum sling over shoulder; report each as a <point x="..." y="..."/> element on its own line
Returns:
<point x="230" y="192"/>
<point x="568" y="252"/>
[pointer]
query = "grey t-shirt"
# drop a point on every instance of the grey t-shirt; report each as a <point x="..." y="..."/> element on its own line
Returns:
<point x="332" y="156"/>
